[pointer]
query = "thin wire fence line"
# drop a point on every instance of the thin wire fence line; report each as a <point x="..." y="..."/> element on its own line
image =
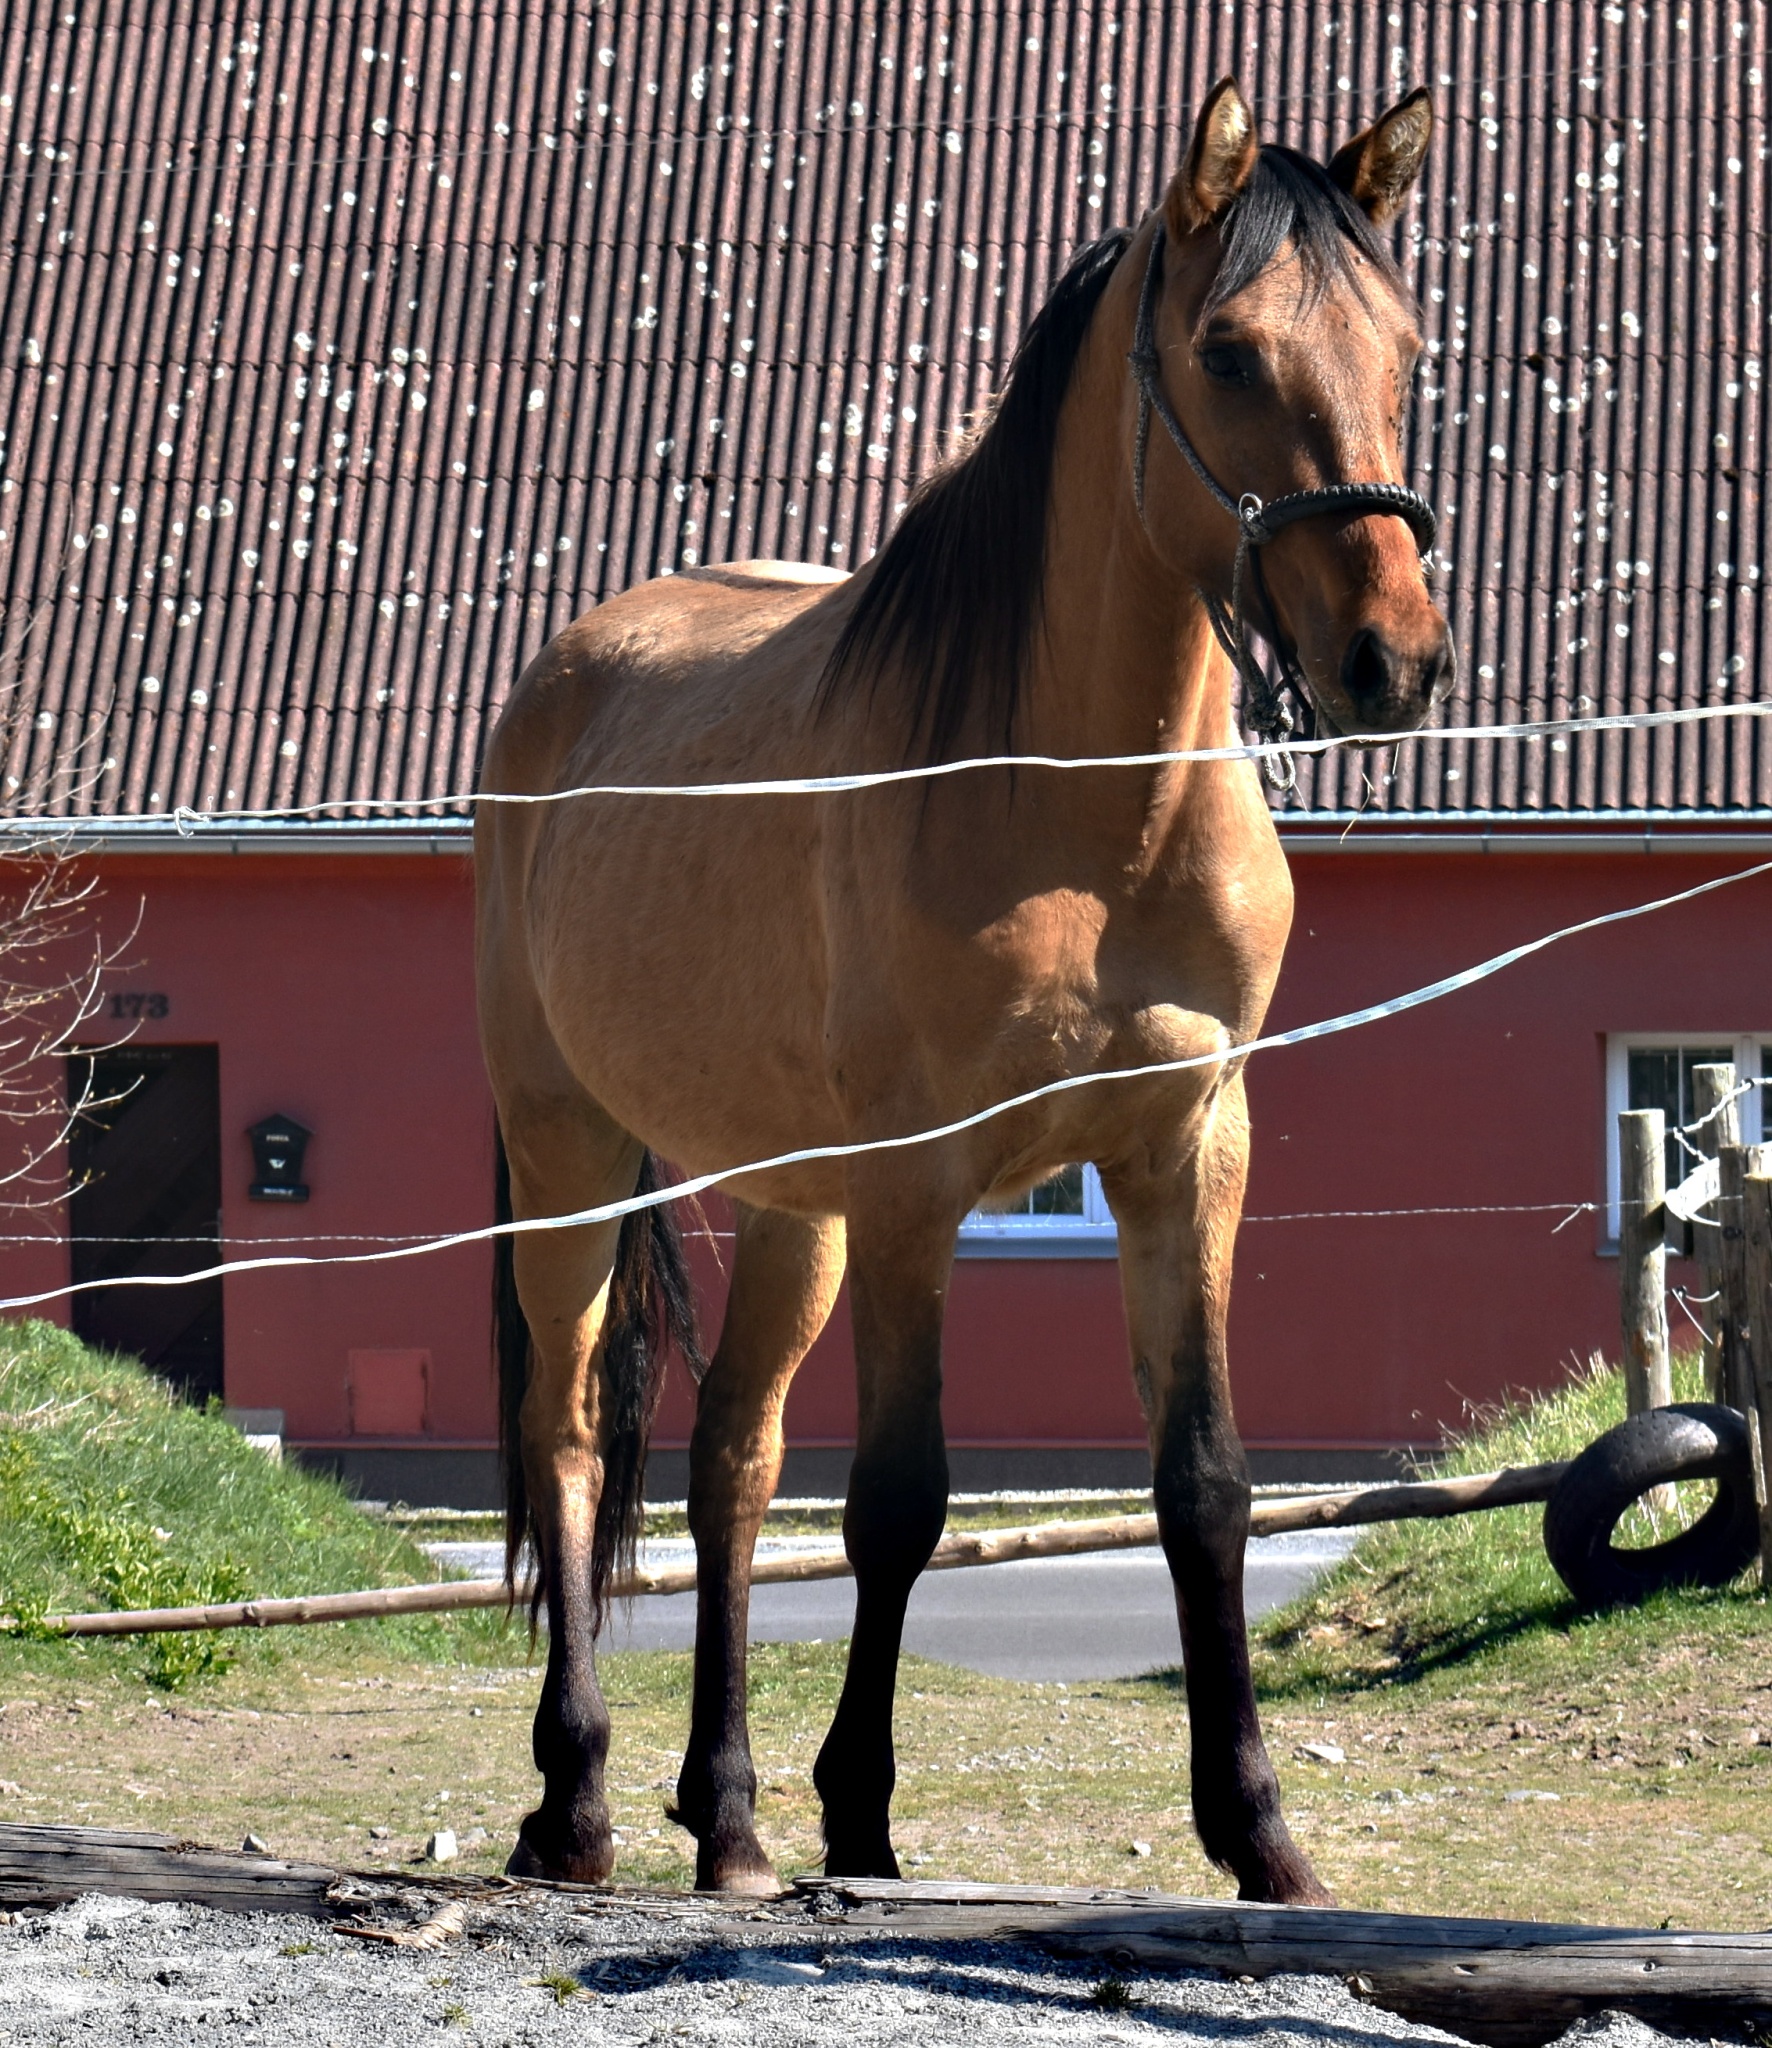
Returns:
<point x="415" y="156"/>
<point x="188" y="820"/>
<point x="1742" y="1087"/>
<point x="698" y="1184"/>
<point x="1568" y="1211"/>
<point x="1060" y="1219"/>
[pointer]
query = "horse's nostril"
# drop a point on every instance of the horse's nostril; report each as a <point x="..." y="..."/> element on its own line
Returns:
<point x="1366" y="667"/>
<point x="1439" y="672"/>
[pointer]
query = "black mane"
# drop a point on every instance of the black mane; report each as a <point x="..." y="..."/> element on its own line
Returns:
<point x="1291" y="199"/>
<point x="955" y="594"/>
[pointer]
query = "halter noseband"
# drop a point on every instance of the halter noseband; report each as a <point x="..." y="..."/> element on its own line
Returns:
<point x="1264" y="699"/>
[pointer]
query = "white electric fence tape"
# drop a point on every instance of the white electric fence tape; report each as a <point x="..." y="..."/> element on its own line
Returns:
<point x="187" y="821"/>
<point x="610" y="1212"/>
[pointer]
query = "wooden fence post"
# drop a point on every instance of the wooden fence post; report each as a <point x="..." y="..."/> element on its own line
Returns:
<point x="1734" y="1165"/>
<point x="1757" y="1228"/>
<point x="1718" y="1118"/>
<point x="1642" y="1258"/>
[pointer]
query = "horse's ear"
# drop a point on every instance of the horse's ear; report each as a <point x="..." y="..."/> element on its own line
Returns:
<point x="1380" y="165"/>
<point x="1218" y="163"/>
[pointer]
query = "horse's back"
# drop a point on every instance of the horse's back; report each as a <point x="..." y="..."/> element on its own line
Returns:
<point x="644" y="676"/>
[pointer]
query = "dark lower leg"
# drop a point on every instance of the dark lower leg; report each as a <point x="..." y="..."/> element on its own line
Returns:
<point x="1178" y="1216"/>
<point x="897" y="1505"/>
<point x="1202" y="1495"/>
<point x="785" y="1276"/>
<point x="567" y="1836"/>
<point x="717" y="1787"/>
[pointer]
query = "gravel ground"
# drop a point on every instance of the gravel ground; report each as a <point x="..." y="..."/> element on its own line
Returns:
<point x="543" y="1969"/>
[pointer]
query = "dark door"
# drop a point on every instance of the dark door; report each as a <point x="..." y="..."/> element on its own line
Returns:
<point x="144" y="1161"/>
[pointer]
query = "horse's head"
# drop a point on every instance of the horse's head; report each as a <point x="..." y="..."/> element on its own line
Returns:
<point x="1284" y="344"/>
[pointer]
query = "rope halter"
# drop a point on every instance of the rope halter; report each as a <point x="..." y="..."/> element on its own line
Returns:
<point x="1264" y="695"/>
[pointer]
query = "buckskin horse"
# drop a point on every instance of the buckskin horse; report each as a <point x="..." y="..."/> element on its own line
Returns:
<point x="717" y="980"/>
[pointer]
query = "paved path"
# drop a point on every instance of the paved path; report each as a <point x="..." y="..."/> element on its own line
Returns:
<point x="1107" y="1615"/>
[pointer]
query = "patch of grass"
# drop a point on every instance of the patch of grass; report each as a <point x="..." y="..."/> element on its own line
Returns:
<point x="562" y="1986"/>
<point x="114" y="1493"/>
<point x="1114" y="1994"/>
<point x="1419" y="1603"/>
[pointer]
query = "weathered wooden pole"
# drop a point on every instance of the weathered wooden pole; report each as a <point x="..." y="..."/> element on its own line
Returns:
<point x="1717" y="1119"/>
<point x="1734" y="1164"/>
<point x="1345" y="1508"/>
<point x="1757" y="1401"/>
<point x="1642" y="1258"/>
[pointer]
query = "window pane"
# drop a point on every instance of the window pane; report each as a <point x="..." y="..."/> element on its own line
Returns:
<point x="1661" y="1078"/>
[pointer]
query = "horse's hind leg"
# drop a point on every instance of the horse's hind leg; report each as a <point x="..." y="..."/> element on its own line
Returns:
<point x="566" y="1155"/>
<point x="785" y="1276"/>
<point x="1177" y="1218"/>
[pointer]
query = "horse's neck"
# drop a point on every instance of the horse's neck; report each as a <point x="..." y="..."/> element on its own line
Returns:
<point x="1127" y="662"/>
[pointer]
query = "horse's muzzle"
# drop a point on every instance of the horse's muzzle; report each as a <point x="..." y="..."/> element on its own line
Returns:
<point x="1387" y="688"/>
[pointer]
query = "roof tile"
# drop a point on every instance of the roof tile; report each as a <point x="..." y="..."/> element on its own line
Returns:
<point x="346" y="352"/>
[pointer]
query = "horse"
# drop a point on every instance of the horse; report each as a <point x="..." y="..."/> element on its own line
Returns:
<point x="717" y="980"/>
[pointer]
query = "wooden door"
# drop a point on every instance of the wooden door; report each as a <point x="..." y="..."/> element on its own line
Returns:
<point x="144" y="1163"/>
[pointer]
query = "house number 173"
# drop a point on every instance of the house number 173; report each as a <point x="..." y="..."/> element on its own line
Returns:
<point x="133" y="1003"/>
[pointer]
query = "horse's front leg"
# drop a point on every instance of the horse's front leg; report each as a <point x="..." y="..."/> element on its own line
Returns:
<point x="785" y="1275"/>
<point x="900" y="1254"/>
<point x="1177" y="1218"/>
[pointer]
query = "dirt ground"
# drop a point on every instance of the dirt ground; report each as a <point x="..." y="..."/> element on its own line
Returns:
<point x="1647" y="1809"/>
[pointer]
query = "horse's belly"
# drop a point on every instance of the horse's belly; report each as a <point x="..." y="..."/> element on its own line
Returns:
<point x="687" y="996"/>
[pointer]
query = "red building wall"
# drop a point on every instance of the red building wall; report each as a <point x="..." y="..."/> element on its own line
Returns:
<point x="339" y="991"/>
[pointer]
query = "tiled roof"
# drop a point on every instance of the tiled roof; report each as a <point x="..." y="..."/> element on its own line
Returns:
<point x="348" y="350"/>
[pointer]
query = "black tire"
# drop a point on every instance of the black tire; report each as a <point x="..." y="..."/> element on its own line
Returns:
<point x="1696" y="1440"/>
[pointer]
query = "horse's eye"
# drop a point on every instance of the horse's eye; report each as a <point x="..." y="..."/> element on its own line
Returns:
<point x="1226" y="365"/>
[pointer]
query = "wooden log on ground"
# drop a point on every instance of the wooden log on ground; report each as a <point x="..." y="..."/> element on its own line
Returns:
<point x="1513" y="1984"/>
<point x="1420" y="1499"/>
<point x="1717" y="1117"/>
<point x="1757" y="1225"/>
<point x="1642" y="1258"/>
<point x="48" y="1866"/>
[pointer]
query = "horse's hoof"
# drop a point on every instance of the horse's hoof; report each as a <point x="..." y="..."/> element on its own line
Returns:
<point x="854" y="1861"/>
<point x="747" y="1880"/>
<point x="1291" y="1885"/>
<point x="526" y="1860"/>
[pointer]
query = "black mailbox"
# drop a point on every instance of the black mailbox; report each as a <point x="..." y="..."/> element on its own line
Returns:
<point x="278" y="1143"/>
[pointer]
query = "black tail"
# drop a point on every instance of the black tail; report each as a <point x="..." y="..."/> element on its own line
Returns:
<point x="651" y="1306"/>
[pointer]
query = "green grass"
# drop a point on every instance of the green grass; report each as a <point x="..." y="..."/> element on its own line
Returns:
<point x="114" y="1493"/>
<point x="1420" y="1602"/>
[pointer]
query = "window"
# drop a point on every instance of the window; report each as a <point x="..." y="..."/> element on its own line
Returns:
<point x="1066" y="1217"/>
<point x="1653" y="1070"/>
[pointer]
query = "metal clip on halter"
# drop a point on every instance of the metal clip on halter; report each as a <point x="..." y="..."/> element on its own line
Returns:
<point x="1264" y="696"/>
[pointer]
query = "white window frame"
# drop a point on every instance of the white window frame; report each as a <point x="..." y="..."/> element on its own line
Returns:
<point x="1093" y="1235"/>
<point x="1748" y="1047"/>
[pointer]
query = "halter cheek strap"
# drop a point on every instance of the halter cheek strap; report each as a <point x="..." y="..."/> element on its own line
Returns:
<point x="1264" y="695"/>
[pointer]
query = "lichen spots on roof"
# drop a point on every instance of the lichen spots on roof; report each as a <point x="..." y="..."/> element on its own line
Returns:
<point x="338" y="354"/>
